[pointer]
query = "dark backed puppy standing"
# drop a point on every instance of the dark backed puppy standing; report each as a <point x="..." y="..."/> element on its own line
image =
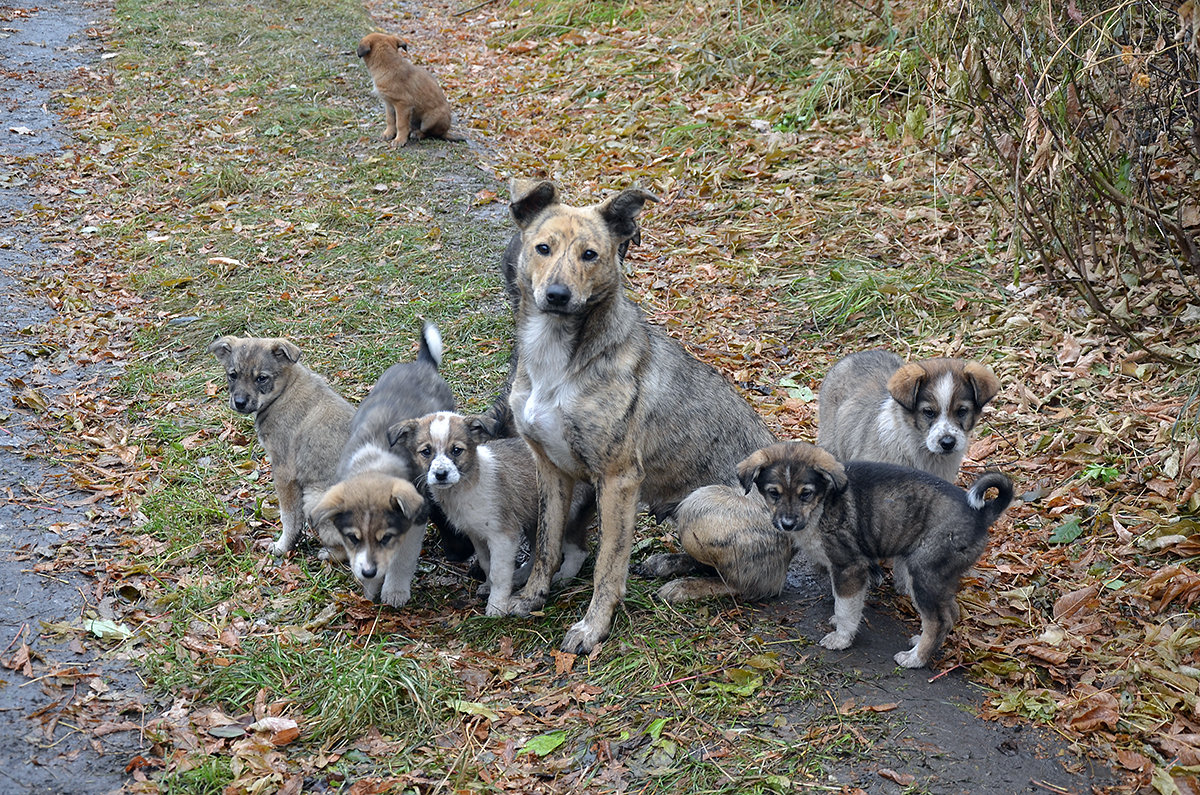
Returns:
<point x="603" y="397"/>
<point x="874" y="407"/>
<point x="377" y="510"/>
<point x="300" y="421"/>
<point x="847" y="519"/>
<point x="412" y="100"/>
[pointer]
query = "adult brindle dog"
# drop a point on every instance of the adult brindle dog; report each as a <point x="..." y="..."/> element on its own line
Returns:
<point x="602" y="396"/>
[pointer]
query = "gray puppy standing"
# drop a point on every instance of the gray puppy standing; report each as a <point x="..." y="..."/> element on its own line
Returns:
<point x="847" y="519"/>
<point x="380" y="516"/>
<point x="874" y="407"/>
<point x="300" y="421"/>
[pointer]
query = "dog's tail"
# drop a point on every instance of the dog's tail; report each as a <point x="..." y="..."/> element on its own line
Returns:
<point x="431" y="346"/>
<point x="991" y="509"/>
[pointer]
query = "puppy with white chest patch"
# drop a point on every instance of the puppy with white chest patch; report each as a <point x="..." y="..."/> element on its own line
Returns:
<point x="374" y="505"/>
<point x="874" y="407"/>
<point x="488" y="489"/>
<point x="300" y="421"/>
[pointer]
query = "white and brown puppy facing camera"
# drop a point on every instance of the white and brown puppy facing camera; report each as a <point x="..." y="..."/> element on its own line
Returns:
<point x="874" y="407"/>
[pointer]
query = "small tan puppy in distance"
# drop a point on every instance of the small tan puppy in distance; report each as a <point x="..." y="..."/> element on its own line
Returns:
<point x="412" y="99"/>
<point x="300" y="421"/>
<point x="874" y="407"/>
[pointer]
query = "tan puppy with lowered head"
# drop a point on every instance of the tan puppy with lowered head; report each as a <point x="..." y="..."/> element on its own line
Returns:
<point x="412" y="99"/>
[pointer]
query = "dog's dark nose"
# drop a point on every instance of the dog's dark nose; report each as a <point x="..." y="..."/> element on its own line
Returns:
<point x="786" y="523"/>
<point x="369" y="574"/>
<point x="558" y="295"/>
<point x="947" y="442"/>
<point x="240" y="402"/>
<point x="441" y="475"/>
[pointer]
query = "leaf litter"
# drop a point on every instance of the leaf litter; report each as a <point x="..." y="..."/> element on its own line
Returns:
<point x="777" y="247"/>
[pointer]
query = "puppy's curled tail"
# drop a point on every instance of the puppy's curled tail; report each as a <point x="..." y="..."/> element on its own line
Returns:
<point x="991" y="509"/>
<point x="431" y="346"/>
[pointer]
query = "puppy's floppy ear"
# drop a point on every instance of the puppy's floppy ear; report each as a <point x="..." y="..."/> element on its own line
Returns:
<point x="835" y="475"/>
<point x="401" y="432"/>
<point x="364" y="49"/>
<point x="408" y="501"/>
<point x="749" y="468"/>
<point x="620" y="212"/>
<point x="222" y="348"/>
<point x="983" y="381"/>
<point x="401" y="44"/>
<point x="530" y="198"/>
<point x="905" y="383"/>
<point x="480" y="429"/>
<point x="286" y="349"/>
<point x="330" y="503"/>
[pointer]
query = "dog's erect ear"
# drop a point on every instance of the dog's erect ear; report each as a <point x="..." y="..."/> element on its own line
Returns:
<point x="529" y="198"/>
<point x="329" y="504"/>
<point x="286" y="349"/>
<point x="222" y="348"/>
<point x="480" y="429"/>
<point x="835" y="475"/>
<point x="749" y="468"/>
<point x="620" y="212"/>
<point x="401" y="432"/>
<point x="983" y="381"/>
<point x="408" y="501"/>
<point x="905" y="383"/>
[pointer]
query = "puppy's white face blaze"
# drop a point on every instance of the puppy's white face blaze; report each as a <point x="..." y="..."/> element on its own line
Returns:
<point x="443" y="447"/>
<point x="948" y="413"/>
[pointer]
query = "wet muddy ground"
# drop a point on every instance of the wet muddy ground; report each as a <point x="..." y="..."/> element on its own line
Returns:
<point x="61" y="701"/>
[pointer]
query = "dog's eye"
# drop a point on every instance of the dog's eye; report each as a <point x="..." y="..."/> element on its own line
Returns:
<point x="262" y="379"/>
<point x="351" y="538"/>
<point x="589" y="255"/>
<point x="456" y="451"/>
<point x="542" y="249"/>
<point x="928" y="412"/>
<point x="387" y="539"/>
<point x="233" y="375"/>
<point x="773" y="493"/>
<point x="962" y="412"/>
<point x="425" y="451"/>
<point x="806" y="495"/>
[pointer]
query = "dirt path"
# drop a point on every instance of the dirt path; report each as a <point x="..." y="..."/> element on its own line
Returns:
<point x="60" y="700"/>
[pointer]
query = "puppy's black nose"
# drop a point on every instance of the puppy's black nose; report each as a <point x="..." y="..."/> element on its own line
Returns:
<point x="240" y="402"/>
<point x="558" y="295"/>
<point x="441" y="475"/>
<point x="947" y="442"/>
<point x="369" y="574"/>
<point x="786" y="523"/>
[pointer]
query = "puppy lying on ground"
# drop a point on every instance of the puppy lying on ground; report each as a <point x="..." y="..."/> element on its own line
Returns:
<point x="412" y="100"/>
<point x="379" y="514"/>
<point x="874" y="407"/>
<point x="300" y="421"/>
<point x="488" y="490"/>
<point x="849" y="518"/>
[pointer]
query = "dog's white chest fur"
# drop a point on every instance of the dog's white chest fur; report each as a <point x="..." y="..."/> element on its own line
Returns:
<point x="542" y="418"/>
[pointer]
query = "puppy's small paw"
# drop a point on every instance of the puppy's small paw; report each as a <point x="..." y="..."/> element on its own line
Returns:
<point x="396" y="597"/>
<point x="674" y="592"/>
<point x="909" y="659"/>
<point x="581" y="638"/>
<point x="524" y="605"/>
<point x="837" y="640"/>
<point x="496" y="608"/>
<point x="280" y="549"/>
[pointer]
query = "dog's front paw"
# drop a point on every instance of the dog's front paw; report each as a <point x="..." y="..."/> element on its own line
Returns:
<point x="396" y="597"/>
<point x="484" y="590"/>
<point x="837" y="640"/>
<point x="675" y="591"/>
<point x="909" y="659"/>
<point x="524" y="605"/>
<point x="582" y="638"/>
<point x="496" y="608"/>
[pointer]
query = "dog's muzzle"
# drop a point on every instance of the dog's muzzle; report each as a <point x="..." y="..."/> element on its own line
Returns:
<point x="557" y="299"/>
<point x="789" y="524"/>
<point x="241" y="404"/>
<point x="947" y="443"/>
